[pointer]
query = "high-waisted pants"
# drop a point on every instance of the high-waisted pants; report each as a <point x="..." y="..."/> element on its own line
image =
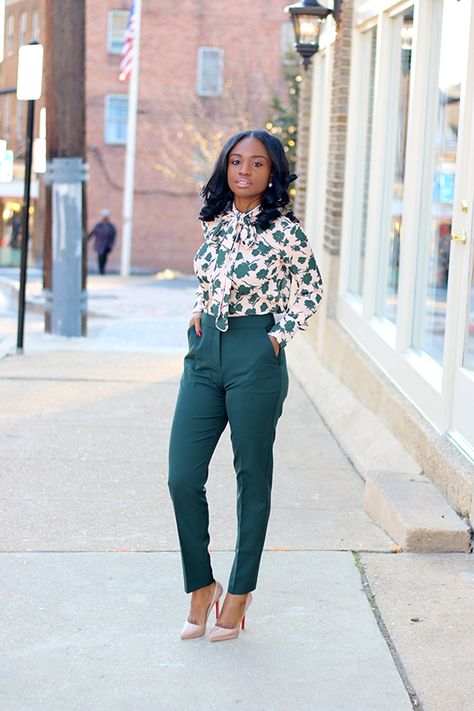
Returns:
<point x="232" y="376"/>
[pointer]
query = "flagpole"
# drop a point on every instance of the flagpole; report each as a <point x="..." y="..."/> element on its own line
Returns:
<point x="129" y="182"/>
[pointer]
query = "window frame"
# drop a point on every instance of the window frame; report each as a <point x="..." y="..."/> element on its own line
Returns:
<point x="426" y="384"/>
<point x="20" y="117"/>
<point x="35" y="24"/>
<point x="108" y="99"/>
<point x="356" y="167"/>
<point x="22" y="28"/>
<point x="110" y="30"/>
<point x="200" y="89"/>
<point x="7" y="114"/>
<point x="288" y="52"/>
<point x="10" y="35"/>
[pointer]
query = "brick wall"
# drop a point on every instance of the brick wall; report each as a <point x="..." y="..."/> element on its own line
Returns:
<point x="302" y="148"/>
<point x="9" y="71"/>
<point x="172" y="119"/>
<point x="338" y="130"/>
<point x="13" y="116"/>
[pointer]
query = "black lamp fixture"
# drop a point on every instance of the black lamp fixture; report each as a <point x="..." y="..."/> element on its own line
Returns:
<point x="308" y="16"/>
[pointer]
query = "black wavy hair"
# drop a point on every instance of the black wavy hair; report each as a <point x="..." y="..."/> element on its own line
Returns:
<point x="218" y="197"/>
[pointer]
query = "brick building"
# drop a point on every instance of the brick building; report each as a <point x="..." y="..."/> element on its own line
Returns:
<point x="24" y="20"/>
<point x="207" y="70"/>
<point x="389" y="198"/>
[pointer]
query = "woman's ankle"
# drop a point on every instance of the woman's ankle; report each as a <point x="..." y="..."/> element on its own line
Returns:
<point x="204" y="591"/>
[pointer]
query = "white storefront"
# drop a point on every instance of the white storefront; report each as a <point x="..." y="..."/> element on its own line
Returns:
<point x="406" y="279"/>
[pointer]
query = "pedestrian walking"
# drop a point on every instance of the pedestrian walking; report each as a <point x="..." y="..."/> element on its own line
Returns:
<point x="15" y="241"/>
<point x="104" y="233"/>
<point x="235" y="368"/>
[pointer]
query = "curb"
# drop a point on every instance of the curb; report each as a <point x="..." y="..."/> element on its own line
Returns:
<point x="417" y="517"/>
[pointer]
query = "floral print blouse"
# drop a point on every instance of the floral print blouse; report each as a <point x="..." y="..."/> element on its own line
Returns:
<point x="244" y="270"/>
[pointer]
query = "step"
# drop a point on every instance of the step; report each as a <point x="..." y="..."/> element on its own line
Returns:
<point x="414" y="513"/>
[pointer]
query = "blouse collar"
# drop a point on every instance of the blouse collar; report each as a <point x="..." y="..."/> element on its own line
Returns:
<point x="250" y="213"/>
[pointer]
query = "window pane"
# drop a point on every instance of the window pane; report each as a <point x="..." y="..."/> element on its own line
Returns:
<point x="10" y="33"/>
<point x="287" y="43"/>
<point x="435" y="238"/>
<point x="117" y="25"/>
<point x="7" y="116"/>
<point x="35" y="23"/>
<point x="19" y="119"/>
<point x="390" y="253"/>
<point x="469" y="344"/>
<point x="358" y="245"/>
<point x="210" y="66"/>
<point x="116" y="114"/>
<point x="22" y="30"/>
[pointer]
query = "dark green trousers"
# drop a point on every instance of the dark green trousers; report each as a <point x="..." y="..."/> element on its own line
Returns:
<point x="232" y="376"/>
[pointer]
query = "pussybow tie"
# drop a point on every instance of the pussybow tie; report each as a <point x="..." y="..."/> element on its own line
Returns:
<point x="234" y="227"/>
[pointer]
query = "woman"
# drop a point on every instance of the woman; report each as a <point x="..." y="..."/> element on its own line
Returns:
<point x="235" y="369"/>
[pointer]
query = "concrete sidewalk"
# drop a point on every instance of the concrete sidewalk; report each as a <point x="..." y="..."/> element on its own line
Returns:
<point x="92" y="588"/>
<point x="144" y="312"/>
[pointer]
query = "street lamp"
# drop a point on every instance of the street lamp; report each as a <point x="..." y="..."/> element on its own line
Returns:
<point x="29" y="83"/>
<point x="308" y="17"/>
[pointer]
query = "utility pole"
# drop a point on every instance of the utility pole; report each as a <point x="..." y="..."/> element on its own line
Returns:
<point x="65" y="105"/>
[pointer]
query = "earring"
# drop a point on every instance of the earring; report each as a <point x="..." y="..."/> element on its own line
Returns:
<point x="270" y="184"/>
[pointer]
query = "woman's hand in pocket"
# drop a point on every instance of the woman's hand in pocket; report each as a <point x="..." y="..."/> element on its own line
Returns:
<point x="196" y="322"/>
<point x="275" y="344"/>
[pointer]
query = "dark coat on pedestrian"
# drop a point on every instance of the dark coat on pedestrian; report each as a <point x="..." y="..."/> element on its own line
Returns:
<point x="104" y="233"/>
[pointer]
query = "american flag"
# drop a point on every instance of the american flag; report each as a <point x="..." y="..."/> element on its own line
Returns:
<point x="128" y="43"/>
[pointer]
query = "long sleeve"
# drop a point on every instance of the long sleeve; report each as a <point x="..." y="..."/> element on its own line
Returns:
<point x="198" y="300"/>
<point x="208" y="229"/>
<point x="304" y="271"/>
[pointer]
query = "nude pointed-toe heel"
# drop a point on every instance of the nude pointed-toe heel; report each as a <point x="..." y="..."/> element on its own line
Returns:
<point x="190" y="630"/>
<point x="219" y="634"/>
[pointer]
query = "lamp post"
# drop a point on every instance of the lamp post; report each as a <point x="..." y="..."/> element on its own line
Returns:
<point x="29" y="84"/>
<point x="308" y="16"/>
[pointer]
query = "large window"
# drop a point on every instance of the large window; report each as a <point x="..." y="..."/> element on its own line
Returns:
<point x="389" y="264"/>
<point x="35" y="22"/>
<point x="22" y="39"/>
<point x="287" y="43"/>
<point x="210" y="71"/>
<point x="116" y="114"/>
<point x="20" y="131"/>
<point x="10" y="35"/>
<point x="356" y="274"/>
<point x="407" y="244"/>
<point x="468" y="358"/>
<point x="117" y="25"/>
<point x="7" y="114"/>
<point x="441" y="156"/>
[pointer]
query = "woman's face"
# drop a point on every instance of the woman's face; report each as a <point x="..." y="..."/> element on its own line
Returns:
<point x="248" y="170"/>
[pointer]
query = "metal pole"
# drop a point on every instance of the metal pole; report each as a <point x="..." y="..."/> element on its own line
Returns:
<point x="129" y="185"/>
<point x="25" y="224"/>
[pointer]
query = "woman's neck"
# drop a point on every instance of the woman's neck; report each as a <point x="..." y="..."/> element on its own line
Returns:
<point x="244" y="205"/>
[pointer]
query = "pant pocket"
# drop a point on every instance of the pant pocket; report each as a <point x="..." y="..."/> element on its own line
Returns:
<point x="191" y="342"/>
<point x="269" y="345"/>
